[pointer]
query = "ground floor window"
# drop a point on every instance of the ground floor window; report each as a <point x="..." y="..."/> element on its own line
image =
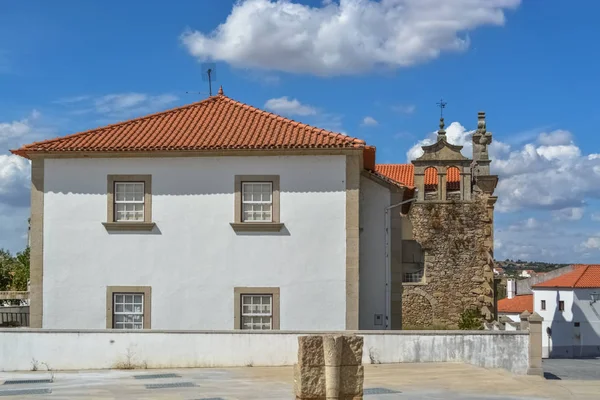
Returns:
<point x="256" y="308"/>
<point x="128" y="311"/>
<point x="128" y="307"/>
<point x="257" y="312"/>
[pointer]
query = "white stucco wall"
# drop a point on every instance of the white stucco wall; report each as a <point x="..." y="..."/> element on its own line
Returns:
<point x="568" y="340"/>
<point x="193" y="259"/>
<point x="63" y="350"/>
<point x="373" y="201"/>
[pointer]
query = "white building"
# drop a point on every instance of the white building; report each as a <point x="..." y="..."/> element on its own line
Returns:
<point x="570" y="306"/>
<point x="217" y="216"/>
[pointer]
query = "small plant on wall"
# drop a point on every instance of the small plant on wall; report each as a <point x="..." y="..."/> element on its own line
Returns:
<point x="470" y="320"/>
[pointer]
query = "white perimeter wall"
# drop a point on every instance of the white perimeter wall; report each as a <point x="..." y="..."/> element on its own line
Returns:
<point x="68" y="350"/>
<point x="567" y="340"/>
<point x="374" y="198"/>
<point x="193" y="259"/>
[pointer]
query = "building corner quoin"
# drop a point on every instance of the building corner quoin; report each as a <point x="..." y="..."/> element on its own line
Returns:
<point x="353" y="173"/>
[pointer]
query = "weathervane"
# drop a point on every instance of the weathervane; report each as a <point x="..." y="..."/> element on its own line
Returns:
<point x="441" y="104"/>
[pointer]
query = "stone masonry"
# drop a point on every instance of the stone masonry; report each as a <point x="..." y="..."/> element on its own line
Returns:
<point x="455" y="231"/>
<point x="456" y="240"/>
<point x="329" y="367"/>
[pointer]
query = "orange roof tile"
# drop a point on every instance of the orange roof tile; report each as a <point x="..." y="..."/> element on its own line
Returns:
<point x="405" y="174"/>
<point x="583" y="276"/>
<point x="217" y="123"/>
<point x="517" y="304"/>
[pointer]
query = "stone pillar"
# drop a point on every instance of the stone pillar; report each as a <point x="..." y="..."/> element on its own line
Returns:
<point x="525" y="320"/>
<point x="332" y="347"/>
<point x="329" y="367"/>
<point x="535" y="345"/>
<point x="442" y="179"/>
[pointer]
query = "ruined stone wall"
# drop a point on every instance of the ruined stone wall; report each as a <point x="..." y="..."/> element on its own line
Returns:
<point x="457" y="241"/>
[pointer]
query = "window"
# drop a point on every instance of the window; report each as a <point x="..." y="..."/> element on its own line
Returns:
<point x="128" y="310"/>
<point x="129" y="202"/>
<point x="256" y="308"/>
<point x="256" y="203"/>
<point x="561" y="305"/>
<point x="413" y="263"/>
<point x="257" y="200"/>
<point x="543" y="304"/>
<point x="128" y="307"/>
<point x="257" y="312"/>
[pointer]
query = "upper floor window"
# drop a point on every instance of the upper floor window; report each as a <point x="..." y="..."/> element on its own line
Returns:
<point x="543" y="304"/>
<point x="129" y="201"/>
<point x="257" y="199"/>
<point x="256" y="203"/>
<point x="561" y="305"/>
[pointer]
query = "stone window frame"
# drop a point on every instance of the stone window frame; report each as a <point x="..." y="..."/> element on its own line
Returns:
<point x="267" y="291"/>
<point x="111" y="224"/>
<point x="238" y="224"/>
<point x="145" y="290"/>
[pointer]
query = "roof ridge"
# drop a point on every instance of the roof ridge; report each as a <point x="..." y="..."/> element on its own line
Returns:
<point x="298" y="123"/>
<point x="121" y="123"/>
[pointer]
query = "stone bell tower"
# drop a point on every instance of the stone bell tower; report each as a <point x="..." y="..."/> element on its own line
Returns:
<point x="452" y="225"/>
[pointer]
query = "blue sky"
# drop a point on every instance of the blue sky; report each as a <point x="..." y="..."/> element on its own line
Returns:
<point x="370" y="69"/>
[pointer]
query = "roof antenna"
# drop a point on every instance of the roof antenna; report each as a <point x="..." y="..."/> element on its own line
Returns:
<point x="209" y="74"/>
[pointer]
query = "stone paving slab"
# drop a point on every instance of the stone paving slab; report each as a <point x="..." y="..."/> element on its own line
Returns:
<point x="409" y="381"/>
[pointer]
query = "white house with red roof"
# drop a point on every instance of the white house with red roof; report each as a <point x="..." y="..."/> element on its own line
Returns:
<point x="218" y="215"/>
<point x="215" y="215"/>
<point x="570" y="306"/>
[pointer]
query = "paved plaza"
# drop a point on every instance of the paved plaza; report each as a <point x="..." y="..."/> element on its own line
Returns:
<point x="382" y="382"/>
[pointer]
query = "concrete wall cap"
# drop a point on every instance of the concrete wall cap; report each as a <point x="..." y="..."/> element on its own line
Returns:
<point x="535" y="317"/>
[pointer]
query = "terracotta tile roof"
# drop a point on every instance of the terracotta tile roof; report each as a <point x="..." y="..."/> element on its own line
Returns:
<point x="517" y="304"/>
<point x="217" y="123"/>
<point x="405" y="173"/>
<point x="582" y="276"/>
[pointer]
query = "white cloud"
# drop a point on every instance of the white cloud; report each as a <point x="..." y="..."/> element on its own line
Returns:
<point x="404" y="109"/>
<point x="14" y="181"/>
<point x="556" y="138"/>
<point x="349" y="37"/>
<point x="285" y="106"/>
<point x="592" y="243"/>
<point x="132" y="103"/>
<point x="13" y="132"/>
<point x="568" y="214"/>
<point x="369" y="121"/>
<point x="118" y="105"/>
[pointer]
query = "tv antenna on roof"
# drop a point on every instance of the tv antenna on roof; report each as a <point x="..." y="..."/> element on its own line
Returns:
<point x="209" y="74"/>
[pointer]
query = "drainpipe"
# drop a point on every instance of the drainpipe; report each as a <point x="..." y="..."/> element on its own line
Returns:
<point x="388" y="260"/>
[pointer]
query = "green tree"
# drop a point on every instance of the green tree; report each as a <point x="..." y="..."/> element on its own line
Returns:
<point x="14" y="271"/>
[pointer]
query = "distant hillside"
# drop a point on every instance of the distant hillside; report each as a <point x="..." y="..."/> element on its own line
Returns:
<point x="514" y="266"/>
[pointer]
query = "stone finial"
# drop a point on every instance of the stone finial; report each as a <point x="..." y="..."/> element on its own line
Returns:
<point x="481" y="128"/>
<point x="221" y="90"/>
<point x="525" y="315"/>
<point x="441" y="131"/>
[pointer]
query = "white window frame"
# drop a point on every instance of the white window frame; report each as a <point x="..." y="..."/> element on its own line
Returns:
<point x="117" y="202"/>
<point x="245" y="202"/>
<point x="256" y="314"/>
<point x="132" y="312"/>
